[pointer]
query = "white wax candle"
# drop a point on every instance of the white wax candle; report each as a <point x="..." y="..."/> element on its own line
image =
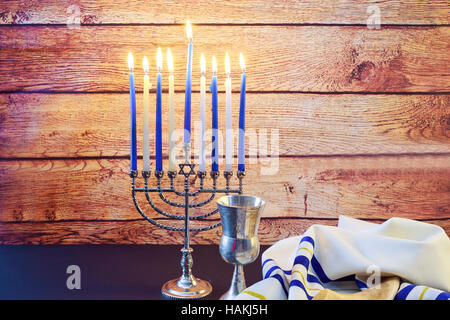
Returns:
<point x="172" y="163"/>
<point x="146" y="143"/>
<point x="201" y="165"/>
<point x="228" y="127"/>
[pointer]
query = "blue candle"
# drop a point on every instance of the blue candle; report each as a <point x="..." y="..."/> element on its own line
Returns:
<point x="133" y="151"/>
<point x="241" y="153"/>
<point x="158" y="128"/>
<point x="215" y="119"/>
<point x="187" y="100"/>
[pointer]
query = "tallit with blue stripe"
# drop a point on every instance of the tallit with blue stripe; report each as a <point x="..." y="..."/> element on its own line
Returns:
<point x="351" y="257"/>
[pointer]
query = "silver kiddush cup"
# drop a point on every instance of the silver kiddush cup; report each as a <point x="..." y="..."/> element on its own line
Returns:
<point x="239" y="244"/>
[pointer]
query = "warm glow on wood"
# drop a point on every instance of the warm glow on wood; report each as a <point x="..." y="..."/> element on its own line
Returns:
<point x="202" y="64"/>
<point x="146" y="65"/>
<point x="169" y="60"/>
<point x="130" y="61"/>
<point x="189" y="30"/>
<point x="214" y="64"/>
<point x="227" y="64"/>
<point x="159" y="60"/>
<point x="242" y="62"/>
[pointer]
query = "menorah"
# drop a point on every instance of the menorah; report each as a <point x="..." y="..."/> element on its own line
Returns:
<point x="187" y="286"/>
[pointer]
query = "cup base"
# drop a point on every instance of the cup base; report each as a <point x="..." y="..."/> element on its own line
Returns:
<point x="199" y="290"/>
<point x="228" y="296"/>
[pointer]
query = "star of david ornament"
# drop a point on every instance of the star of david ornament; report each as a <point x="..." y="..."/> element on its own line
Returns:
<point x="187" y="165"/>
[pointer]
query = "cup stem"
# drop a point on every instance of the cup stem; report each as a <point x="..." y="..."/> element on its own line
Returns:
<point x="237" y="283"/>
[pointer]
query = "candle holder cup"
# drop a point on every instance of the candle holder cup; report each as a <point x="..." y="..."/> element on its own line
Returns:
<point x="186" y="286"/>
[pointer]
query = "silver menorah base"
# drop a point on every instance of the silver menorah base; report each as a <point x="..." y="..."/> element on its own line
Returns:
<point x="187" y="286"/>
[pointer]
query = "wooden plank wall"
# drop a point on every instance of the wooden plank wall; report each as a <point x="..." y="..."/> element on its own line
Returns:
<point x="363" y="114"/>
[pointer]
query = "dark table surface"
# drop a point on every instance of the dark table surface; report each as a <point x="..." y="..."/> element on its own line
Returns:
<point x="109" y="271"/>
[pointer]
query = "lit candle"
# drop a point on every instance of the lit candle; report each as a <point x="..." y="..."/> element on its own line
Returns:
<point x="201" y="165"/>
<point x="158" y="136"/>
<point x="241" y="153"/>
<point x="172" y="164"/>
<point x="187" y="100"/>
<point x="146" y="133"/>
<point x="215" y="119"/>
<point x="228" y="128"/>
<point x="133" y="152"/>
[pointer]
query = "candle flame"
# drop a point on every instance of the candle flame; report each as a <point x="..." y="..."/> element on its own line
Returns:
<point x="146" y="65"/>
<point x="242" y="62"/>
<point x="227" y="64"/>
<point x="189" y="30"/>
<point x="169" y="60"/>
<point x="130" y="61"/>
<point x="159" y="59"/>
<point x="202" y="64"/>
<point x="214" y="64"/>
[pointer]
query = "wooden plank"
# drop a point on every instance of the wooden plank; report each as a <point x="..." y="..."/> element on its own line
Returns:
<point x="140" y="232"/>
<point x="86" y="125"/>
<point x="380" y="187"/>
<point x="216" y="11"/>
<point x="134" y="232"/>
<point x="279" y="58"/>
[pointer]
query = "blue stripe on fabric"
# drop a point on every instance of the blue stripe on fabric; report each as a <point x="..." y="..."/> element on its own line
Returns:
<point x="323" y="278"/>
<point x="311" y="278"/>
<point x="298" y="283"/>
<point x="346" y="278"/>
<point x="270" y="271"/>
<point x="304" y="261"/>
<point x="361" y="284"/>
<point x="402" y="294"/>
<point x="288" y="272"/>
<point x="318" y="270"/>
<point x="264" y="263"/>
<point x="443" y="296"/>
<point x="280" y="279"/>
<point x="308" y="239"/>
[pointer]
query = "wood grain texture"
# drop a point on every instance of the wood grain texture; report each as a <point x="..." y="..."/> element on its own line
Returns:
<point x="279" y="58"/>
<point x="134" y="232"/>
<point x="87" y="125"/>
<point x="216" y="11"/>
<point x="416" y="187"/>
<point x="379" y="150"/>
<point x="140" y="232"/>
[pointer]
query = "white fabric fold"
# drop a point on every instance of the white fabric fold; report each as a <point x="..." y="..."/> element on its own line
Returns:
<point x="299" y="267"/>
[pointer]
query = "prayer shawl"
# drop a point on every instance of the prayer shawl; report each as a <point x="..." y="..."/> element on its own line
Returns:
<point x="361" y="259"/>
